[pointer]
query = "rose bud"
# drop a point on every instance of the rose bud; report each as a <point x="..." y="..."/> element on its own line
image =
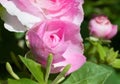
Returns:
<point x="101" y="27"/>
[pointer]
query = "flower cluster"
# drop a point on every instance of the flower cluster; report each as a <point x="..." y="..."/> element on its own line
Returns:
<point x="53" y="27"/>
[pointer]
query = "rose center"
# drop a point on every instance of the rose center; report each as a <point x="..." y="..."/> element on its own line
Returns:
<point x="102" y="20"/>
<point x="51" y="40"/>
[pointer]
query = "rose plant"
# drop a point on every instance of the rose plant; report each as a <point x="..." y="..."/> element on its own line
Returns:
<point x="101" y="27"/>
<point x="62" y="39"/>
<point x="53" y="35"/>
<point x="28" y="12"/>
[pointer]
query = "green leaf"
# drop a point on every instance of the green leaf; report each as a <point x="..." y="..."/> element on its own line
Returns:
<point x="101" y="51"/>
<point x="34" y="68"/>
<point x="21" y="81"/>
<point x="111" y="56"/>
<point x="90" y="73"/>
<point x="113" y="79"/>
<point x="116" y="63"/>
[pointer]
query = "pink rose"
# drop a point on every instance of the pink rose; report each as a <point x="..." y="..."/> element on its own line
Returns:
<point x="62" y="39"/>
<point x="29" y="12"/>
<point x="101" y="27"/>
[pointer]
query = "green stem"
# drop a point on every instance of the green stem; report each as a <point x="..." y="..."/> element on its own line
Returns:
<point x="61" y="76"/>
<point x="48" y="67"/>
<point x="15" y="60"/>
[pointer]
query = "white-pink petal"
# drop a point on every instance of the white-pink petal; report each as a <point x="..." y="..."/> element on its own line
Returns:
<point x="21" y="18"/>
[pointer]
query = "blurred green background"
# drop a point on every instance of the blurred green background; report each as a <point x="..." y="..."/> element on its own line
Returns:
<point x="11" y="42"/>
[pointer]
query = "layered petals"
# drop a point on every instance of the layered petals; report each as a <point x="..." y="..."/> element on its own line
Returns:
<point x="29" y="12"/>
<point x="62" y="39"/>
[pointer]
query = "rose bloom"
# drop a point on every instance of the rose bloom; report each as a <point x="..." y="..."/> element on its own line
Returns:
<point x="23" y="14"/>
<point x="101" y="27"/>
<point x="62" y="39"/>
